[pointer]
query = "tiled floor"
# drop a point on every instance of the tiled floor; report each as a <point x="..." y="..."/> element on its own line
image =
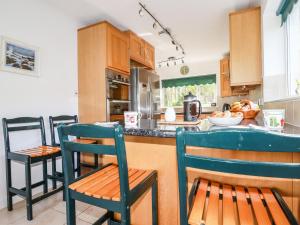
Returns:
<point x="50" y="211"/>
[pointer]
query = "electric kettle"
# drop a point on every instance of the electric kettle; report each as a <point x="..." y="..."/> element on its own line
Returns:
<point x="190" y="107"/>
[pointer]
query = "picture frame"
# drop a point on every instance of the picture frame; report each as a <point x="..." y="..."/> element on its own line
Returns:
<point x="18" y="57"/>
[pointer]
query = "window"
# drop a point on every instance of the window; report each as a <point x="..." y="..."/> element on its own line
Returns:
<point x="293" y="51"/>
<point x="281" y="50"/>
<point x="204" y="87"/>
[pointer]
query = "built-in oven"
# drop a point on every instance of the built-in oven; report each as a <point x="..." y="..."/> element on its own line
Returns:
<point x="118" y="95"/>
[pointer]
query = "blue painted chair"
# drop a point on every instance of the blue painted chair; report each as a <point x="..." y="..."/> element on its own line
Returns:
<point x="28" y="157"/>
<point x="113" y="187"/>
<point x="240" y="205"/>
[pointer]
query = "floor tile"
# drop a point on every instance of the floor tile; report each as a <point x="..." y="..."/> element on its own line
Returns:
<point x="80" y="207"/>
<point x="91" y="214"/>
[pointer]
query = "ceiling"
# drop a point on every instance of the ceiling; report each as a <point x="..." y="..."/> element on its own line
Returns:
<point x="201" y="26"/>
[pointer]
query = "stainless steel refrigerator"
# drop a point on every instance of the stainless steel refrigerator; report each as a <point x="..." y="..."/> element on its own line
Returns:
<point x="145" y="93"/>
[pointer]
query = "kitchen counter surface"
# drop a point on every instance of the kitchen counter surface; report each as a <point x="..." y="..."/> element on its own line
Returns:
<point x="151" y="128"/>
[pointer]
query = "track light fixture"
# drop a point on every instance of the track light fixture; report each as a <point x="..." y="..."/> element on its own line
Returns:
<point x="164" y="30"/>
<point x="170" y="61"/>
<point x="141" y="13"/>
<point x="154" y="25"/>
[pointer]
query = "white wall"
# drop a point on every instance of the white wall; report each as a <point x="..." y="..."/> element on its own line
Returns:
<point x="53" y="93"/>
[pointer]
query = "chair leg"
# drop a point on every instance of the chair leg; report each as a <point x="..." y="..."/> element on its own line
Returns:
<point x="70" y="205"/>
<point x="125" y="216"/>
<point x="54" y="182"/>
<point x="96" y="161"/>
<point x="45" y="186"/>
<point x="78" y="165"/>
<point x="154" y="203"/>
<point x="8" y="185"/>
<point x="28" y="190"/>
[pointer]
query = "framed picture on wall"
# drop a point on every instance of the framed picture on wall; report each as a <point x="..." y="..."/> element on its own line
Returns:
<point x="18" y="57"/>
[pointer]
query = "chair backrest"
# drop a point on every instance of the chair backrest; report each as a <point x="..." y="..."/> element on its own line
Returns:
<point x="54" y="121"/>
<point x="22" y="124"/>
<point x="233" y="139"/>
<point x="98" y="132"/>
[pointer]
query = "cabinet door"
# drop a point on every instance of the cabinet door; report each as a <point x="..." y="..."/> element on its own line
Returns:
<point x="245" y="47"/>
<point x="137" y="48"/>
<point x="149" y="56"/>
<point x="225" y="78"/>
<point x="117" y="50"/>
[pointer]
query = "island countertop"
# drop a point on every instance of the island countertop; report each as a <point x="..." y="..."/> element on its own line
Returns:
<point x="152" y="128"/>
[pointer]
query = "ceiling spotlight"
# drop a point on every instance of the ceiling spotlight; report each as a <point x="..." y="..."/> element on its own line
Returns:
<point x="177" y="48"/>
<point x="182" y="61"/>
<point x="173" y="42"/>
<point x="141" y="13"/>
<point x="168" y="64"/>
<point x="161" y="32"/>
<point x="154" y="25"/>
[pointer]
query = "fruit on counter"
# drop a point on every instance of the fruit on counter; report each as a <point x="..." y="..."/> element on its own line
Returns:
<point x="226" y="114"/>
<point x="244" y="105"/>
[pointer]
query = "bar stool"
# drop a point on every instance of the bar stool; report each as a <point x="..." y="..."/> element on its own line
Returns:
<point x="239" y="204"/>
<point x="113" y="187"/>
<point x="54" y="121"/>
<point x="28" y="157"/>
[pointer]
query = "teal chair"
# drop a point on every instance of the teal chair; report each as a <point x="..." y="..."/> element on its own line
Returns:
<point x="239" y="205"/>
<point x="113" y="187"/>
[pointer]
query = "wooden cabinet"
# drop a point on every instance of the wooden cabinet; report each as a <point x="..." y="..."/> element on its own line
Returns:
<point x="245" y="47"/>
<point x="100" y="46"/>
<point x="226" y="89"/>
<point x="225" y="78"/>
<point x="137" y="48"/>
<point x="141" y="51"/>
<point x="149" y="55"/>
<point x="117" y="50"/>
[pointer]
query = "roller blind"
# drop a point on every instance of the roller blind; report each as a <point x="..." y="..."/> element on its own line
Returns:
<point x="285" y="8"/>
<point x="189" y="81"/>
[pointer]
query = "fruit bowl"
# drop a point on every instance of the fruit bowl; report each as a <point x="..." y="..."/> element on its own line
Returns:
<point x="249" y="114"/>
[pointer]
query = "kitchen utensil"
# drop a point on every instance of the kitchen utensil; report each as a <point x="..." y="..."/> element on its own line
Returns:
<point x="226" y="107"/>
<point x="190" y="107"/>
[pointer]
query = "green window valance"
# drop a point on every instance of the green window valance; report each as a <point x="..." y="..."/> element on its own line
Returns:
<point x="285" y="8"/>
<point x="197" y="80"/>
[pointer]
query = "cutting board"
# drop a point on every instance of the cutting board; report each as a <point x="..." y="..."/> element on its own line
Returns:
<point x="179" y="122"/>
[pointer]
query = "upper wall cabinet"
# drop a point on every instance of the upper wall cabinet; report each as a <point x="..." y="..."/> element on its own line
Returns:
<point x="137" y="48"/>
<point x="245" y="47"/>
<point x="149" y="55"/>
<point x="117" y="50"/>
<point x="141" y="51"/>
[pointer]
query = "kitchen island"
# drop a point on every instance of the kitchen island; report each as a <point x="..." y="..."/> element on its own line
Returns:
<point x="153" y="146"/>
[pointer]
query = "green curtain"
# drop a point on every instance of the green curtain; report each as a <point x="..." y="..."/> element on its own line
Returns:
<point x="189" y="81"/>
<point x="285" y="8"/>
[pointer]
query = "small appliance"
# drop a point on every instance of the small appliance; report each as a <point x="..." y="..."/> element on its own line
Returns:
<point x="190" y="107"/>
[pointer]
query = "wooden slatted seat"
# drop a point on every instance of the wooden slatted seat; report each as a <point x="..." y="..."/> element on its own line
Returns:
<point x="105" y="183"/>
<point x="39" y="151"/>
<point x="215" y="204"/>
<point x="85" y="141"/>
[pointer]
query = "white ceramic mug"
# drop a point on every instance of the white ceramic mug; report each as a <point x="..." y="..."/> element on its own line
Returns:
<point x="132" y="118"/>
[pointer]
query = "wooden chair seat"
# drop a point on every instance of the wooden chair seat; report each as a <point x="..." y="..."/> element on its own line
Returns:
<point x="39" y="151"/>
<point x="84" y="141"/>
<point x="215" y="204"/>
<point x="105" y="183"/>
